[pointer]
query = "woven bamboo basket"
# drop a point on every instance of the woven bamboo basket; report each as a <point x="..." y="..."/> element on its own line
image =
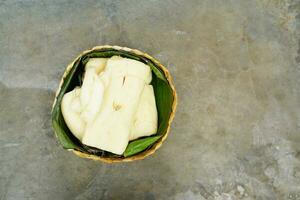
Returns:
<point x="156" y="145"/>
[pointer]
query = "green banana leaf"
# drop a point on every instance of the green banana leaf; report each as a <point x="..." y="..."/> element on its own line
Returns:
<point x="163" y="96"/>
<point x="139" y="145"/>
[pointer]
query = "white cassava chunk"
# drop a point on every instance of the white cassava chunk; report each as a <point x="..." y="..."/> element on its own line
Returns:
<point x="91" y="95"/>
<point x="70" y="107"/>
<point x="118" y="66"/>
<point x="104" y="77"/>
<point x="96" y="63"/>
<point x="110" y="130"/>
<point x="93" y="106"/>
<point x="145" y="120"/>
<point x="87" y="87"/>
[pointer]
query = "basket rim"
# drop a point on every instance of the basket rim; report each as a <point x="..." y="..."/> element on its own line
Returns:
<point x="156" y="145"/>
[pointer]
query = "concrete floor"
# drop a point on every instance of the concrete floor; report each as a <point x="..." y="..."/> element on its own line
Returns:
<point x="236" y="67"/>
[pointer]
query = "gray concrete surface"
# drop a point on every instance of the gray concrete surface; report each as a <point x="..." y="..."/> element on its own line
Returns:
<point x="236" y="67"/>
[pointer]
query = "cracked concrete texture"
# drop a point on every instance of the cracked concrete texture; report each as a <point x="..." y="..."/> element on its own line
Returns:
<point x="236" y="67"/>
